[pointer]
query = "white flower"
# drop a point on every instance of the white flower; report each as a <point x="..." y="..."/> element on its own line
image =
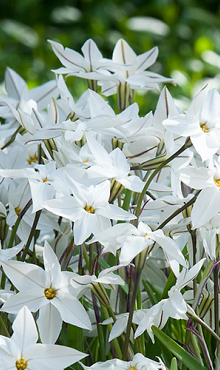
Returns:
<point x="174" y="306"/>
<point x="22" y="351"/>
<point x="88" y="208"/>
<point x="112" y="166"/>
<point x="91" y="66"/>
<point x="134" y="240"/>
<point x="139" y="362"/>
<point x="207" y="204"/>
<point x="47" y="291"/>
<point x="201" y="123"/>
<point x="131" y="69"/>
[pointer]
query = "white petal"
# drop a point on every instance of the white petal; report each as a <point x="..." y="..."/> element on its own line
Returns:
<point x="71" y="310"/>
<point x="207" y="205"/>
<point x="33" y="299"/>
<point x="123" y="53"/>
<point x="54" y="357"/>
<point x="24" y="275"/>
<point x="14" y="84"/>
<point x="118" y="328"/>
<point x="49" y="323"/>
<point x="52" y="267"/>
<point x="25" y="331"/>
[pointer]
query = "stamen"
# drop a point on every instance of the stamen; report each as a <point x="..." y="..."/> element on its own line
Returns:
<point x="89" y="209"/>
<point x="204" y="127"/>
<point x="21" y="364"/>
<point x="50" y="293"/>
<point x="17" y="211"/>
<point x="45" y="180"/>
<point x="32" y="159"/>
<point x="217" y="182"/>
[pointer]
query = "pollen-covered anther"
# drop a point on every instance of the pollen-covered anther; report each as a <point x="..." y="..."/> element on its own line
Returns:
<point x="50" y="293"/>
<point x="204" y="127"/>
<point x="89" y="209"/>
<point x="32" y="159"/>
<point x="133" y="368"/>
<point x="21" y="364"/>
<point x="45" y="180"/>
<point x="217" y="182"/>
<point x="17" y="211"/>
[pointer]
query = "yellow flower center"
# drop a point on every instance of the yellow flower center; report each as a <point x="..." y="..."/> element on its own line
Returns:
<point x="17" y="211"/>
<point x="45" y="180"/>
<point x="21" y="364"/>
<point x="132" y="368"/>
<point x="50" y="293"/>
<point x="86" y="160"/>
<point x="32" y="159"/>
<point x="204" y="127"/>
<point x="89" y="209"/>
<point x="217" y="182"/>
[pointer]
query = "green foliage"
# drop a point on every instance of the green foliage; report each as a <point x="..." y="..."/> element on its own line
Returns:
<point x="186" y="32"/>
<point x="178" y="351"/>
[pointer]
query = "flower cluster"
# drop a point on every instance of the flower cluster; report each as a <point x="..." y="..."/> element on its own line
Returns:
<point x="107" y="218"/>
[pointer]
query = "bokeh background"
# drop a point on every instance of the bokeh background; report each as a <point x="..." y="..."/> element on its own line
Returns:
<point x="187" y="33"/>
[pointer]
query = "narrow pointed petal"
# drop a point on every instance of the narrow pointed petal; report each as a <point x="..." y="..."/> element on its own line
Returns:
<point x="207" y="205"/>
<point x="25" y="331"/>
<point x="33" y="299"/>
<point x="71" y="310"/>
<point x="49" y="323"/>
<point x="24" y="276"/>
<point x="54" y="357"/>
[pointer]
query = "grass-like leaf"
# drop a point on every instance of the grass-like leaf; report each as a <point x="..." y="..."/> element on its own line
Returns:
<point x="177" y="350"/>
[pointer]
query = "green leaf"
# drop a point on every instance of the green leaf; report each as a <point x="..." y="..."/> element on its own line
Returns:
<point x="151" y="292"/>
<point x="177" y="351"/>
<point x="174" y="364"/>
<point x="170" y="282"/>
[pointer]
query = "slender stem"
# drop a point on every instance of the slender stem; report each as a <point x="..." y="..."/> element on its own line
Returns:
<point x="196" y="348"/>
<point x="3" y="327"/>
<point x="206" y="275"/>
<point x="13" y="233"/>
<point x="192" y="315"/>
<point x="99" y="328"/>
<point x="36" y="218"/>
<point x="155" y="172"/>
<point x="85" y="255"/>
<point x="132" y="305"/>
<point x="216" y="302"/>
<point x="114" y="341"/>
<point x="179" y="210"/>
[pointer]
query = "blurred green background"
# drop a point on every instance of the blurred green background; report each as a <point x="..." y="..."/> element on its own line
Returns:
<point x="187" y="33"/>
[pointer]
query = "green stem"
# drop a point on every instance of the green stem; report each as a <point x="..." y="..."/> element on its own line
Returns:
<point x="131" y="311"/>
<point x="196" y="348"/>
<point x="179" y="210"/>
<point x="109" y="326"/>
<point x="192" y="315"/>
<point x="13" y="233"/>
<point x="206" y="274"/>
<point x="155" y="172"/>
<point x="3" y="327"/>
<point x="36" y="218"/>
<point x="85" y="255"/>
<point x="216" y="293"/>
